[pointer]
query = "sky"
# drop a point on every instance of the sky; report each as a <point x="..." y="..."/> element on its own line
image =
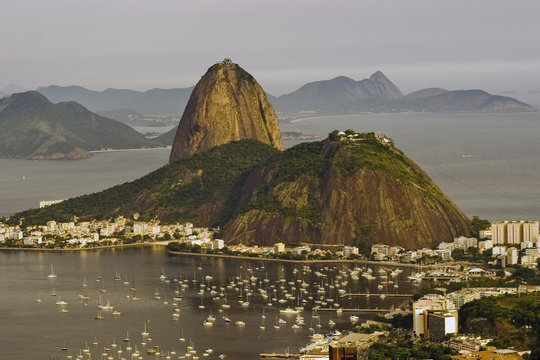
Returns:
<point x="455" y="44"/>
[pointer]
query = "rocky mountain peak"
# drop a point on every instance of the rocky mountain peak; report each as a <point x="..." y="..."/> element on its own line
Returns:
<point x="226" y="105"/>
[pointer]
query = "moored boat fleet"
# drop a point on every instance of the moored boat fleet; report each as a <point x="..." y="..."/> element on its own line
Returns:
<point x="311" y="299"/>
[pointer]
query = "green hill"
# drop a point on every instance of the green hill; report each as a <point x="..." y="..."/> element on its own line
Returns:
<point x="33" y="127"/>
<point x="337" y="191"/>
<point x="510" y="320"/>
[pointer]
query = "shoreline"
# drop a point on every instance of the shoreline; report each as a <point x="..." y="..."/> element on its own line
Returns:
<point x="78" y="249"/>
<point x="240" y="257"/>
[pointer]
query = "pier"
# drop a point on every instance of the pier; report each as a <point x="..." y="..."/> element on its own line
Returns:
<point x="356" y="310"/>
<point x="375" y="294"/>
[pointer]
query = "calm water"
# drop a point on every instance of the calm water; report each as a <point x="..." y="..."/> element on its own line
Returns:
<point x="32" y="330"/>
<point x="24" y="183"/>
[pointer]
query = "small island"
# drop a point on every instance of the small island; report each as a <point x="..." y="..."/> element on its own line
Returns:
<point x="293" y="135"/>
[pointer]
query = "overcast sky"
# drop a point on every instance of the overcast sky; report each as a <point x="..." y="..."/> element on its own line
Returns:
<point x="455" y="44"/>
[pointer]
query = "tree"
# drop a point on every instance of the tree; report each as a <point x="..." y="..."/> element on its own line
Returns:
<point x="458" y="254"/>
<point x="478" y="224"/>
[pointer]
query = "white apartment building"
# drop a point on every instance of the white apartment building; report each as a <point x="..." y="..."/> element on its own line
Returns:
<point x="512" y="256"/>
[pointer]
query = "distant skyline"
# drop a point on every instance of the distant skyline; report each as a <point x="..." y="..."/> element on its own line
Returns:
<point x="136" y="44"/>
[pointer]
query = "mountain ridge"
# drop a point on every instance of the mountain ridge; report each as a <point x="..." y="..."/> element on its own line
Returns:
<point x="35" y="128"/>
<point x="374" y="94"/>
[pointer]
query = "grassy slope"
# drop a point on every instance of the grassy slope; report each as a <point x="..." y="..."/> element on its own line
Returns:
<point x="164" y="191"/>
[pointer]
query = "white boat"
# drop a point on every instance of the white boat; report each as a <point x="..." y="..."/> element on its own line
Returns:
<point x="145" y="333"/>
<point x="162" y="276"/>
<point x="52" y="275"/>
<point x="289" y="311"/>
<point x="240" y="323"/>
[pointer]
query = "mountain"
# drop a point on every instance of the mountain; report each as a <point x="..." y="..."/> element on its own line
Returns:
<point x="168" y="137"/>
<point x="343" y="95"/>
<point x="3" y="95"/>
<point x="425" y="93"/>
<point x="33" y="127"/>
<point x="347" y="190"/>
<point x="458" y="101"/>
<point x="339" y="94"/>
<point x="227" y="104"/>
<point x="343" y="190"/>
<point x="151" y="102"/>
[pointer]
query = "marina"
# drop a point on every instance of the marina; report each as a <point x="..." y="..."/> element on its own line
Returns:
<point x="182" y="307"/>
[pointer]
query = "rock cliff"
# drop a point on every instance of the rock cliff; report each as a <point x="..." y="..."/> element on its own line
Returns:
<point x="226" y="105"/>
<point x="344" y="192"/>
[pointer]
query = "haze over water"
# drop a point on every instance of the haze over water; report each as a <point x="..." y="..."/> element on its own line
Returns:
<point x="488" y="164"/>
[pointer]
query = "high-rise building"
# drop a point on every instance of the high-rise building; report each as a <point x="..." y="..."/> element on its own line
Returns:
<point x="530" y="231"/>
<point x="514" y="231"/>
<point x="498" y="232"/>
<point x="442" y="323"/>
<point x="426" y="305"/>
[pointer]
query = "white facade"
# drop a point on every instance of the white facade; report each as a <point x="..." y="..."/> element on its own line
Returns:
<point x="512" y="256"/>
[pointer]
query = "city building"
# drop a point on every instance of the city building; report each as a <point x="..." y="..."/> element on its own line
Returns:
<point x="530" y="231"/>
<point x="498" y="232"/>
<point x="279" y="248"/>
<point x="431" y="304"/>
<point x="512" y="256"/>
<point x="485" y="245"/>
<point x="514" y="232"/>
<point x="442" y="323"/>
<point x="351" y="346"/>
<point x="350" y="250"/>
<point x="498" y="354"/>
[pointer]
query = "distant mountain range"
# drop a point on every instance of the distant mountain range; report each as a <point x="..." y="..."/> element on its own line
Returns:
<point x="33" y="127"/>
<point x="341" y="95"/>
<point x="151" y="102"/>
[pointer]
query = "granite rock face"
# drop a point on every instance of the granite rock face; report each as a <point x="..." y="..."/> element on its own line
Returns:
<point x="226" y="105"/>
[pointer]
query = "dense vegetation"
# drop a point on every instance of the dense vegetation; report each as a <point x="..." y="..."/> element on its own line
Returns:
<point x="303" y="162"/>
<point x="397" y="346"/>
<point x="511" y="320"/>
<point x="34" y="127"/>
<point x="216" y="176"/>
<point x="367" y="151"/>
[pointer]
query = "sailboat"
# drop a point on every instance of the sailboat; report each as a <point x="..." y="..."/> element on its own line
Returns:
<point x="117" y="276"/>
<point x="52" y="275"/>
<point x="145" y="333"/>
